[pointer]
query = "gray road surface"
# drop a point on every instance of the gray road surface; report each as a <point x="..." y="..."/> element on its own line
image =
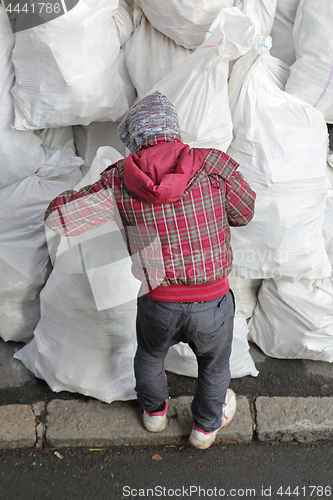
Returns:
<point x="254" y="471"/>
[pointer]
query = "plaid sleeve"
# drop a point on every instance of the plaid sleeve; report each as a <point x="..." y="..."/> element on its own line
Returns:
<point x="240" y="200"/>
<point x="75" y="212"/>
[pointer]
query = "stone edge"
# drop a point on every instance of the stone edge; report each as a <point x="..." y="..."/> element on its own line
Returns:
<point x="257" y="411"/>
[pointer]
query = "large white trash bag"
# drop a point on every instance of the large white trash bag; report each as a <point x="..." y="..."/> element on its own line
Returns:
<point x="150" y="55"/>
<point x="181" y="359"/>
<point x="21" y="153"/>
<point x="295" y="320"/>
<point x="24" y="257"/>
<point x="311" y="76"/>
<point x="185" y="22"/>
<point x="85" y="341"/>
<point x="59" y="139"/>
<point x="89" y="138"/>
<point x="330" y="133"/>
<point x="245" y="292"/>
<point x="130" y="91"/>
<point x="328" y="226"/>
<point x="123" y="20"/>
<point x="67" y="69"/>
<point x="280" y="143"/>
<point x="328" y="221"/>
<point x="198" y="86"/>
<point x="262" y="13"/>
<point x="282" y="31"/>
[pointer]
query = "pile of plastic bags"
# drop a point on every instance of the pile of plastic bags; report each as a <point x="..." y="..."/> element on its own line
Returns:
<point x="253" y="78"/>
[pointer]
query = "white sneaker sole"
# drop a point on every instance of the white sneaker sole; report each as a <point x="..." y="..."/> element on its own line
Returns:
<point x="229" y="407"/>
<point x="203" y="441"/>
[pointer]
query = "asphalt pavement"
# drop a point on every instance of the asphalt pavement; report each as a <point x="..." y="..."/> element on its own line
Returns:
<point x="257" y="471"/>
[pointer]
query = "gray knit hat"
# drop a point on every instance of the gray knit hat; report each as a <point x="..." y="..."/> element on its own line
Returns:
<point x="152" y="115"/>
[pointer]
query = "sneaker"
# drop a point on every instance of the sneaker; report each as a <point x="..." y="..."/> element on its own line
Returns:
<point x="202" y="439"/>
<point x="229" y="408"/>
<point x="155" y="421"/>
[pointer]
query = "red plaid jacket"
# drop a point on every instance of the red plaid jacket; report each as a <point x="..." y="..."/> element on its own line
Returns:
<point x="177" y="223"/>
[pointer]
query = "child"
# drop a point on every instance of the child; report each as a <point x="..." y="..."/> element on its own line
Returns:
<point x="186" y="200"/>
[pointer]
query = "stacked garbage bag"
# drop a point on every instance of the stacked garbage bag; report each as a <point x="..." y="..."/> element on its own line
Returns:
<point x="253" y="78"/>
<point x="34" y="167"/>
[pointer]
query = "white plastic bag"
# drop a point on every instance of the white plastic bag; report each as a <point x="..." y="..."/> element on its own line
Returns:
<point x="181" y="359"/>
<point x="294" y="320"/>
<point x="328" y="227"/>
<point x="89" y="138"/>
<point x="85" y="340"/>
<point x="330" y="132"/>
<point x="79" y="349"/>
<point x="198" y="86"/>
<point x="67" y="69"/>
<point x="58" y="139"/>
<point x="24" y="257"/>
<point x="282" y="31"/>
<point x="328" y="221"/>
<point x="185" y="22"/>
<point x="262" y="13"/>
<point x="246" y="293"/>
<point x="129" y="89"/>
<point x="123" y="21"/>
<point x="311" y="76"/>
<point x="280" y="143"/>
<point x="150" y="55"/>
<point x="21" y="153"/>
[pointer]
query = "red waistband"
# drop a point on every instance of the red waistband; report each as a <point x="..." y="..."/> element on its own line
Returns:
<point x="189" y="293"/>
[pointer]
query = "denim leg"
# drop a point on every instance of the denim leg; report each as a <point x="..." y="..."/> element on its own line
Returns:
<point x="157" y="326"/>
<point x="211" y="342"/>
<point x="151" y="385"/>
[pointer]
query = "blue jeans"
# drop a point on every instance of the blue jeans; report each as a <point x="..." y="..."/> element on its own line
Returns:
<point x="207" y="327"/>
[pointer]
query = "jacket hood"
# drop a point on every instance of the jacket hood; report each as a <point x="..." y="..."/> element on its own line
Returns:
<point x="160" y="173"/>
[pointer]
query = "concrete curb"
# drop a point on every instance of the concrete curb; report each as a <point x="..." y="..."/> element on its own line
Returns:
<point x="73" y="423"/>
<point x="294" y="419"/>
